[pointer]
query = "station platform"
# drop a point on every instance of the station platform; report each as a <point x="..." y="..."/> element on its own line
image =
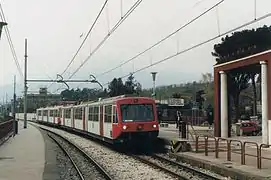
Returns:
<point x="23" y="156"/>
<point x="250" y="165"/>
<point x="172" y="133"/>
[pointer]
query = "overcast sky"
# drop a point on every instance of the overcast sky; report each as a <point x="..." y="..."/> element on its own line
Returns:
<point x="53" y="30"/>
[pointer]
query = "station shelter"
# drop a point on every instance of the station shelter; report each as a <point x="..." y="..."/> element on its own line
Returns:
<point x="221" y="94"/>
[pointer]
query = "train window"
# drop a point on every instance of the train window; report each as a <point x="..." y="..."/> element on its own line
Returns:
<point x="55" y="113"/>
<point x="51" y="113"/>
<point x="137" y="112"/>
<point x="39" y="113"/>
<point x="67" y="113"/>
<point x="45" y="113"/>
<point x="115" y="115"/>
<point x="108" y="114"/>
<point x="79" y="112"/>
<point x="90" y="113"/>
<point x="75" y="114"/>
<point x="96" y="114"/>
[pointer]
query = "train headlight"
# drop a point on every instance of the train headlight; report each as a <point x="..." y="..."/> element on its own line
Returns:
<point x="154" y="126"/>
<point x="124" y="127"/>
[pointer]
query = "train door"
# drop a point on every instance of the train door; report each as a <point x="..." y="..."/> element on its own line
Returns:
<point x="114" y="120"/>
<point x="54" y="115"/>
<point x="83" y="118"/>
<point x="101" y="120"/>
<point x="42" y="115"/>
<point x="62" y="115"/>
<point x="47" y="115"/>
<point x="86" y="109"/>
<point x="72" y="117"/>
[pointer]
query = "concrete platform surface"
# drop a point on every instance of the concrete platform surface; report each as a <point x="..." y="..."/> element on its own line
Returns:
<point x="232" y="168"/>
<point x="23" y="157"/>
<point x="172" y="133"/>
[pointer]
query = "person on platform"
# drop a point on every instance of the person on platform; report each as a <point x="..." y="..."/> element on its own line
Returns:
<point x="178" y="119"/>
<point x="210" y="116"/>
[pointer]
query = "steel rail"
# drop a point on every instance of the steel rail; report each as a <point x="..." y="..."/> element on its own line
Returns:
<point x="189" y="169"/>
<point x="69" y="156"/>
<point x="170" y="172"/>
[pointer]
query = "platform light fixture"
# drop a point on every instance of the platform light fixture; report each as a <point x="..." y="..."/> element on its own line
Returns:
<point x="153" y="79"/>
<point x="2" y="24"/>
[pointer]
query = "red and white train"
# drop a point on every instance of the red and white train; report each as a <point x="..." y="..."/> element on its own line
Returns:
<point x="115" y="120"/>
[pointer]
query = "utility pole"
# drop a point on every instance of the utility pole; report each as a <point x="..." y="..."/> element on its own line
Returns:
<point x="2" y="24"/>
<point x="14" y="108"/>
<point x="25" y="84"/>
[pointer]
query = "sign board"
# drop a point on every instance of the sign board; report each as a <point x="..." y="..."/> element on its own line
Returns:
<point x="163" y="101"/>
<point x="175" y="102"/>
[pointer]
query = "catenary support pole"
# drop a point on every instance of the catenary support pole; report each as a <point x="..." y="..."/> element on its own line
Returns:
<point x="25" y="85"/>
<point x="14" y="108"/>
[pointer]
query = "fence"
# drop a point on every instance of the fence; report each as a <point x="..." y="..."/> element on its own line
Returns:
<point x="229" y="148"/>
<point x="6" y="129"/>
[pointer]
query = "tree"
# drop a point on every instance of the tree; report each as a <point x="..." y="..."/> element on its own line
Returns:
<point x="208" y="82"/>
<point x="138" y="88"/>
<point x="238" y="45"/>
<point x="199" y="98"/>
<point x="130" y="85"/>
<point x="116" y="87"/>
<point x="237" y="82"/>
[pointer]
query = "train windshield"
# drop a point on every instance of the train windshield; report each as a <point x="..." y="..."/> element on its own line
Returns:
<point x="137" y="112"/>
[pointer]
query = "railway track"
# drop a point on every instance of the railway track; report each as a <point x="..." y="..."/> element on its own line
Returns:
<point x="175" y="169"/>
<point x="85" y="166"/>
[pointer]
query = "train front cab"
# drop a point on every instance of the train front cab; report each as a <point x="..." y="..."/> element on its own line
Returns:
<point x="137" y="120"/>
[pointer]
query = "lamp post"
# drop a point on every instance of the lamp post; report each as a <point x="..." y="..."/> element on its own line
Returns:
<point x="153" y="79"/>
<point x="2" y="24"/>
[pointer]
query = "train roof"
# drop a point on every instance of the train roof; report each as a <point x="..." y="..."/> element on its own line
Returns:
<point x="100" y="101"/>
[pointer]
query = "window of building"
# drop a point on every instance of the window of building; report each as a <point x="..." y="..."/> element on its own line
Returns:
<point x="108" y="114"/>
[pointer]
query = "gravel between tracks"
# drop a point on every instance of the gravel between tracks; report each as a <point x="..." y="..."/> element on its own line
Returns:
<point x="86" y="167"/>
<point x="58" y="166"/>
<point x="68" y="172"/>
<point x="118" y="165"/>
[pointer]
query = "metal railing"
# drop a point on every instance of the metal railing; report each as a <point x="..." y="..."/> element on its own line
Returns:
<point x="229" y="144"/>
<point x="6" y="129"/>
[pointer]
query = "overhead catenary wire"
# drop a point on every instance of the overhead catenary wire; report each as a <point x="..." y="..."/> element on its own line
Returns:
<point x="89" y="31"/>
<point x="6" y="29"/>
<point x="84" y="40"/>
<point x="163" y="39"/>
<point x="125" y="16"/>
<point x="199" y="44"/>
